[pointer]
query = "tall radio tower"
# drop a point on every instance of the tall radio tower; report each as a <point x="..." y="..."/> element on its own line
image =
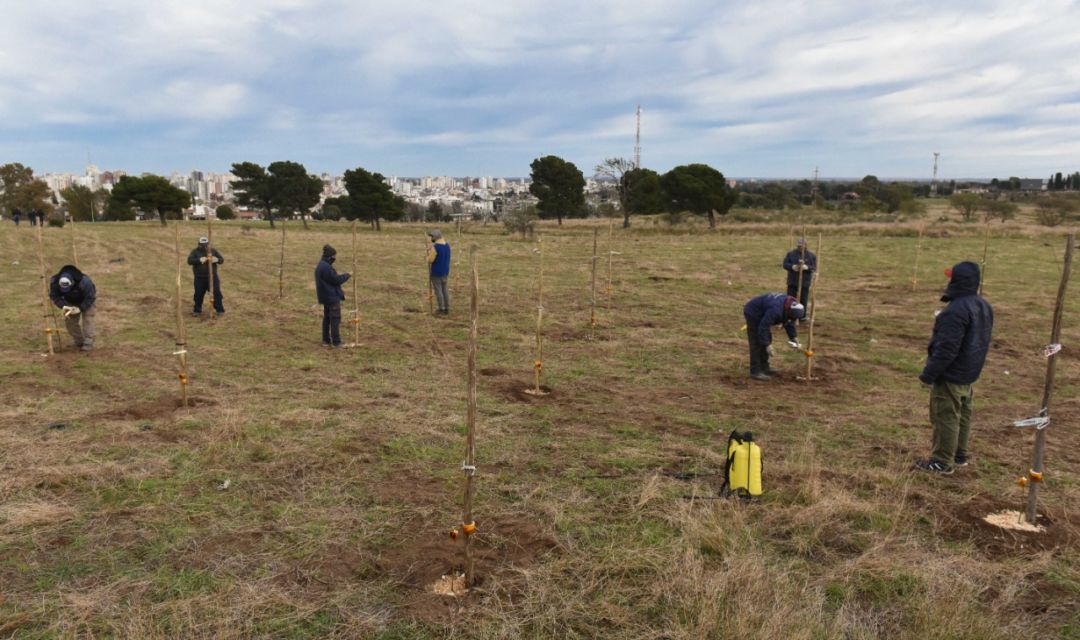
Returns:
<point x="637" y="141"/>
<point x="933" y="182"/>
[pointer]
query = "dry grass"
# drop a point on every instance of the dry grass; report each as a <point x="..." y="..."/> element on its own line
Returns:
<point x="596" y="504"/>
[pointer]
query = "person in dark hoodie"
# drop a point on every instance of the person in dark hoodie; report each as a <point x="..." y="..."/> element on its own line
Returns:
<point x="762" y="313"/>
<point x="201" y="263"/>
<point x="800" y="260"/>
<point x="955" y="358"/>
<point x="75" y="293"/>
<point x="328" y="288"/>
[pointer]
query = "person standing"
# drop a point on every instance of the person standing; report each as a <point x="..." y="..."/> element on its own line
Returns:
<point x="328" y="289"/>
<point x="205" y="261"/>
<point x="75" y="293"/>
<point x="16" y="215"/>
<point x="800" y="260"/>
<point x="438" y="257"/>
<point x="955" y="358"/>
<point x="761" y="314"/>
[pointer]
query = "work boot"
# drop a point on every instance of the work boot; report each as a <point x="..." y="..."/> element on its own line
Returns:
<point x="760" y="376"/>
<point x="934" y="466"/>
<point x="961" y="460"/>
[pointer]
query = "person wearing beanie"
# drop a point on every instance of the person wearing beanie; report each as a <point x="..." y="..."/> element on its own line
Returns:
<point x="761" y="314"/>
<point x="328" y="289"/>
<point x="75" y="293"/>
<point x="438" y="257"/>
<point x="201" y="264"/>
<point x="955" y="358"/>
<point x="800" y="260"/>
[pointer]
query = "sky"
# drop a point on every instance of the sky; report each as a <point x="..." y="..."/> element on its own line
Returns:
<point x="762" y="88"/>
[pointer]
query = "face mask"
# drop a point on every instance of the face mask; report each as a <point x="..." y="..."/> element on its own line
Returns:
<point x="331" y="259"/>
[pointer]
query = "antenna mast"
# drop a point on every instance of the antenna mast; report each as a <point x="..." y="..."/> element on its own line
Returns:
<point x="933" y="182"/>
<point x="637" y="141"/>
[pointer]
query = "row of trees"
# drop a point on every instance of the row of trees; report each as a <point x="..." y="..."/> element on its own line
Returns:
<point x="1059" y="182"/>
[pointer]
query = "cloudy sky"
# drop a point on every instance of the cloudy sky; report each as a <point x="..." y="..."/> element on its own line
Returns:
<point x="763" y="88"/>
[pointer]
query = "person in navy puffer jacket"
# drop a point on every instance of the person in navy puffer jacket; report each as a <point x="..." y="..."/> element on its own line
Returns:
<point x="328" y="289"/>
<point x="762" y="313"/>
<point x="955" y="358"/>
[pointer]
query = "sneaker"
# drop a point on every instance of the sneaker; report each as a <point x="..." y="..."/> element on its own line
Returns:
<point x="759" y="376"/>
<point x="86" y="347"/>
<point x="327" y="345"/>
<point x="196" y="314"/>
<point x="772" y="372"/>
<point x="961" y="460"/>
<point x="338" y="346"/>
<point x="933" y="466"/>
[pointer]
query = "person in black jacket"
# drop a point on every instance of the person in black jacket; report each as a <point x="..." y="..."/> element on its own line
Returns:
<point x="800" y="260"/>
<point x="955" y="358"/>
<point x="75" y="293"/>
<point x="328" y="289"/>
<point x="761" y="314"/>
<point x="202" y="262"/>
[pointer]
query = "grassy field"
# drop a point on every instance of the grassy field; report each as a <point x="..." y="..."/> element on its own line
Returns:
<point x="596" y="504"/>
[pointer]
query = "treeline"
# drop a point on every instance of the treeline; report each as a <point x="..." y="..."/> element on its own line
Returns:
<point x="1061" y="182"/>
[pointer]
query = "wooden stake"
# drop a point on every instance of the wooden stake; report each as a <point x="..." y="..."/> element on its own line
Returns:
<point x="210" y="263"/>
<point x="470" y="443"/>
<point x="813" y="306"/>
<point x="47" y="315"/>
<point x="281" y="265"/>
<point x="427" y="269"/>
<point x="456" y="269"/>
<point x="982" y="269"/>
<point x="918" y="250"/>
<point x="592" y="312"/>
<point x="538" y="364"/>
<point x="802" y="263"/>
<point x="74" y="249"/>
<point x="181" y="337"/>
<point x="610" y="256"/>
<point x="356" y="301"/>
<point x="1048" y="388"/>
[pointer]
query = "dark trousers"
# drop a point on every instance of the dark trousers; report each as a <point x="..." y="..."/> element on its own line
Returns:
<point x="805" y="294"/>
<point x="759" y="354"/>
<point x="331" y="323"/>
<point x="202" y="285"/>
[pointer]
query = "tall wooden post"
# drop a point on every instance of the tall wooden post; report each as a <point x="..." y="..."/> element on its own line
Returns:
<point x="592" y="311"/>
<point x="1036" y="472"/>
<point x="74" y="249"/>
<point x="538" y="364"/>
<point x="457" y="282"/>
<point x="982" y="268"/>
<point x="469" y="466"/>
<point x="181" y="337"/>
<point x="915" y="271"/>
<point x="356" y="301"/>
<point x="427" y="273"/>
<point x="813" y="306"/>
<point x="210" y="264"/>
<point x="47" y="310"/>
<point x="281" y="265"/>
<point x="610" y="256"/>
<point x="802" y="263"/>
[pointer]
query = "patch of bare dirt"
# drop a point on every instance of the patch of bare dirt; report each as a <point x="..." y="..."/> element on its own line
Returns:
<point x="966" y="522"/>
<point x="517" y="391"/>
<point x="163" y="407"/>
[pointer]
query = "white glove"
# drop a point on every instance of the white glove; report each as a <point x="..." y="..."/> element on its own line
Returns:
<point x="794" y="344"/>
<point x="804" y="267"/>
<point x="214" y="259"/>
<point x="769" y="350"/>
<point x="202" y="259"/>
<point x="71" y="311"/>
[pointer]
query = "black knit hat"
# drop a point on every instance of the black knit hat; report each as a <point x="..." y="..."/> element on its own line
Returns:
<point x="328" y="251"/>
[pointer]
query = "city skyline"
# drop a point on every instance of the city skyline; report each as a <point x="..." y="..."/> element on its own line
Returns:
<point x="755" y="89"/>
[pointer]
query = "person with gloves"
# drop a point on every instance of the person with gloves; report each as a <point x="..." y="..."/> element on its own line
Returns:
<point x="761" y="314"/>
<point x="202" y="263"/>
<point x="800" y="260"/>
<point x="438" y="257"/>
<point x="75" y="293"/>
<point x="955" y="358"/>
<point x="328" y="289"/>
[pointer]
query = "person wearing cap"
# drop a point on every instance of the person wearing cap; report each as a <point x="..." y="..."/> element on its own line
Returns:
<point x="75" y="293"/>
<point x="955" y="358"/>
<point x="761" y="314"/>
<point x="800" y="260"/>
<point x="330" y="294"/>
<point x="202" y="264"/>
<point x="438" y="257"/>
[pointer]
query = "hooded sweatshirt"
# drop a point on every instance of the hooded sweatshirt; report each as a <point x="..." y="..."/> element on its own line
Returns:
<point x="438" y="256"/>
<point x="327" y="281"/>
<point x="82" y="294"/>
<point x="767" y="310"/>
<point x="962" y="331"/>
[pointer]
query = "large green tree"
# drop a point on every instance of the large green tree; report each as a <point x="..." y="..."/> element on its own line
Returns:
<point x="966" y="204"/>
<point x="560" y="187"/>
<point x="252" y="188"/>
<point x="616" y="169"/>
<point x="84" y="204"/>
<point x="643" y="193"/>
<point x="19" y="189"/>
<point x="150" y="193"/>
<point x="293" y="189"/>
<point x="700" y="189"/>
<point x="371" y="198"/>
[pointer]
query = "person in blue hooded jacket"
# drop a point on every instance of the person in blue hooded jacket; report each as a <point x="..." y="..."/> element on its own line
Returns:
<point x="438" y="257"/>
<point x="328" y="289"/>
<point x="955" y="358"/>
<point x="75" y="293"/>
<point x="762" y="314"/>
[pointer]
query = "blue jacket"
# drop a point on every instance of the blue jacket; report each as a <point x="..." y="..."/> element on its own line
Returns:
<point x="328" y="283"/>
<point x="961" y="339"/>
<point x="767" y="310"/>
<point x="439" y="257"/>
<point x="791" y="260"/>
<point x="83" y="294"/>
